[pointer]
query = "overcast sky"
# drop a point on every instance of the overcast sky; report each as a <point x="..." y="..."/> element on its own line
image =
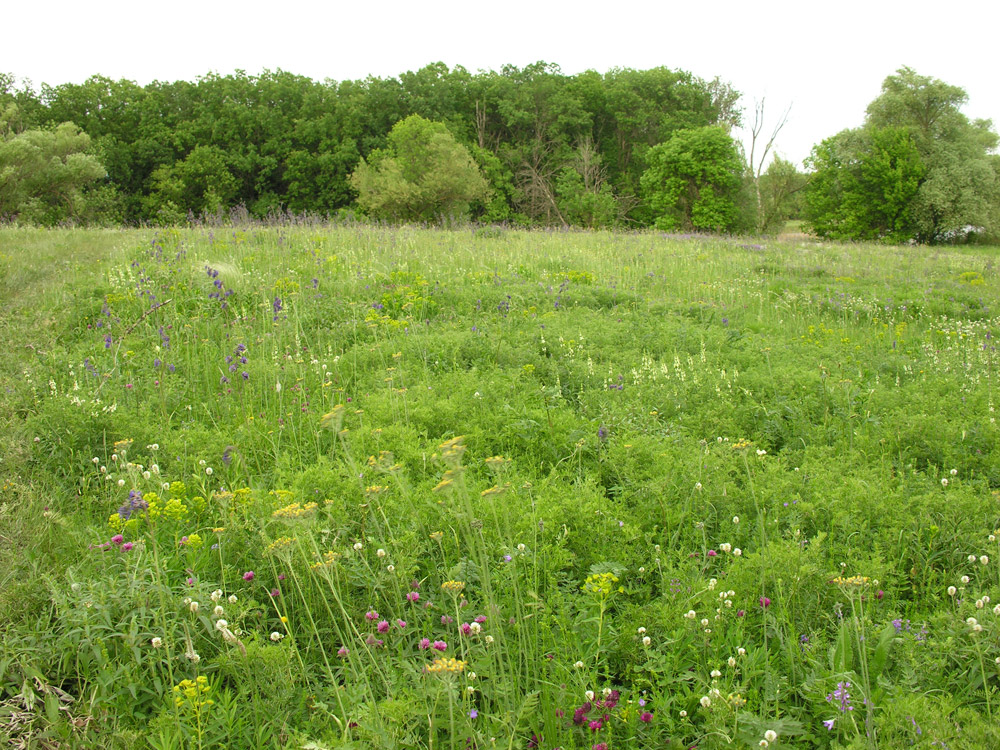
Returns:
<point x="827" y="60"/>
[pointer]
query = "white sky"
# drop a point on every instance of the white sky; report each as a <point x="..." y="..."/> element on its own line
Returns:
<point x="825" y="59"/>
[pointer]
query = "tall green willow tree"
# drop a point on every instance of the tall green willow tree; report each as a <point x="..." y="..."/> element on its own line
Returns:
<point x="918" y="169"/>
<point x="423" y="174"/>
<point x="44" y="171"/>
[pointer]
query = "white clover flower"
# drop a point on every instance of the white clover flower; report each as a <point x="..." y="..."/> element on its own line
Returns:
<point x="202" y="462"/>
<point x="980" y="603"/>
<point x="761" y="452"/>
<point x="704" y="622"/>
<point x="218" y="611"/>
<point x="763" y="743"/>
<point x="121" y="482"/>
<point x="208" y="470"/>
<point x="690" y="614"/>
<point x="156" y="642"/>
<point x="380" y="552"/>
<point x="715" y="673"/>
<point x="146" y="475"/>
<point x="114" y="456"/>
<point x="737" y="552"/>
<point x="155" y="446"/>
<point x="489" y="639"/>
<point x="971" y="621"/>
<point x="104" y="469"/>
<point x="186" y="600"/>
<point x="589" y="695"/>
<point x="193" y="657"/>
<point x="731" y="661"/>
<point x="358" y="546"/>
<point x="683" y="713"/>
<point x="977" y="628"/>
<point x="233" y="599"/>
<point x="470" y="690"/>
<point x="972" y="558"/>
<point x="736" y="519"/>
<point x="216" y="595"/>
<point x="155" y="469"/>
<point x="705" y="701"/>
<point x="646" y="640"/>
<point x="391" y="568"/>
<point x="475" y="628"/>
<point x="472" y="675"/>
<point x="642" y="570"/>
<point x="697" y="486"/>
<point x="95" y="460"/>
<point x="606" y="692"/>
<point x="193" y="606"/>
<point x="741" y="651"/>
<point x="521" y="548"/>
<point x="952" y="591"/>
<point x="965" y="579"/>
<point x="579" y="664"/>
<point x="986" y="599"/>
<point x="165" y="485"/>
<point x="992" y="537"/>
<point x="725" y="546"/>
<point x="984" y="560"/>
<point x="641" y="630"/>
<point x="770" y="735"/>
<point x="944" y="481"/>
<point x="276" y="636"/>
<point x="953" y="472"/>
<point x="221" y="624"/>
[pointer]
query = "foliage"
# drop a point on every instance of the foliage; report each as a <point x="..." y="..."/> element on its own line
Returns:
<point x="917" y="170"/>
<point x="43" y="172"/>
<point x="693" y="180"/>
<point x="369" y="486"/>
<point x="422" y="175"/>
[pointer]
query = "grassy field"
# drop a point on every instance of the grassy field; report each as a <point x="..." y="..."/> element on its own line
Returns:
<point x="360" y="487"/>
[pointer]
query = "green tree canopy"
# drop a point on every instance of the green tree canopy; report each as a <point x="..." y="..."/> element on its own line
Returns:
<point x="693" y="180"/>
<point x="43" y="172"/>
<point x="423" y="174"/>
<point x="918" y="169"/>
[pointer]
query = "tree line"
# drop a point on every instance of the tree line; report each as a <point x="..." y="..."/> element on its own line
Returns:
<point x="525" y="145"/>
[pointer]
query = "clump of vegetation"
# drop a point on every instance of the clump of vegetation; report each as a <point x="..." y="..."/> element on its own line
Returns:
<point x="327" y="486"/>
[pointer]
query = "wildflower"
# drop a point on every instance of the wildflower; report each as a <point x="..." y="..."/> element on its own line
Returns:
<point x="383" y="626"/>
<point x="765" y="602"/>
<point x="828" y="724"/>
<point x="193" y="606"/>
<point x="646" y="640"/>
<point x="984" y="560"/>
<point x="736" y="519"/>
<point x="276" y="636"/>
<point x="453" y="587"/>
<point x="358" y="546"/>
<point x="842" y="697"/>
<point x="770" y="735"/>
<point x="590" y="695"/>
<point x="473" y="714"/>
<point x="425" y="643"/>
<point x="731" y="661"/>
<point x="579" y="664"/>
<point x="439" y="646"/>
<point x="952" y="591"/>
<point x="390" y="568"/>
<point x="343" y="651"/>
<point x="690" y="614"/>
<point x="683" y="714"/>
<point x="944" y="481"/>
<point x="475" y="628"/>
<point x="716" y="673"/>
<point x="156" y="642"/>
<point x="208" y="470"/>
<point x="371" y="615"/>
<point x="705" y="701"/>
<point x="645" y="717"/>
<point x="737" y="552"/>
<point x="232" y="599"/>
<point x="763" y="743"/>
<point x="447" y="666"/>
<point x="221" y="624"/>
<point x="217" y="611"/>
<point x="489" y="639"/>
<point x="965" y="579"/>
<point x="380" y="553"/>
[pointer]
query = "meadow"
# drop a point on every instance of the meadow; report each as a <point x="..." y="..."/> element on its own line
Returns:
<point x="345" y="486"/>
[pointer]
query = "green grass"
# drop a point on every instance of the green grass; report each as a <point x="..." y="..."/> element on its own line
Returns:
<point x="605" y="438"/>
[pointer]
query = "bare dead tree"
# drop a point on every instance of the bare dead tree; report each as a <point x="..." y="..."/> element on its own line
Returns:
<point x="757" y="165"/>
